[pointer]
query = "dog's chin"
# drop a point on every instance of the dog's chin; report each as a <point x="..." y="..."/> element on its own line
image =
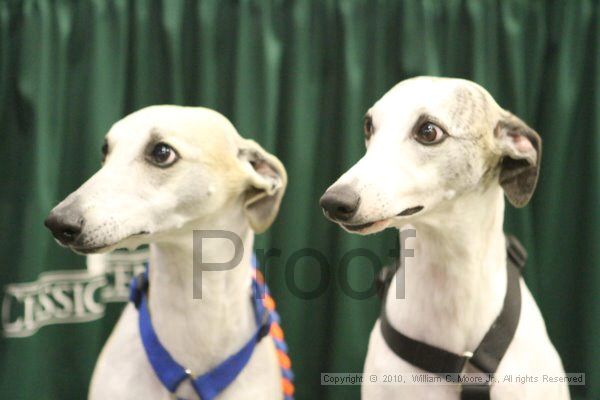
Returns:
<point x="367" y="228"/>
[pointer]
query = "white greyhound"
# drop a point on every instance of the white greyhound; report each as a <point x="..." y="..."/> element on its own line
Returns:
<point x="168" y="171"/>
<point x="440" y="155"/>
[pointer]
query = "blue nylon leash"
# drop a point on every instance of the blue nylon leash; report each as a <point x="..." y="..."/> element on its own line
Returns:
<point x="171" y="373"/>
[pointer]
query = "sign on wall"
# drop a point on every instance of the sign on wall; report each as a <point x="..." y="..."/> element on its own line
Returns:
<point x="70" y="296"/>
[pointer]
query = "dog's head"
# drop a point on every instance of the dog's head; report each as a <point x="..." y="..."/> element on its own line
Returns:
<point x="429" y="141"/>
<point x="167" y="168"/>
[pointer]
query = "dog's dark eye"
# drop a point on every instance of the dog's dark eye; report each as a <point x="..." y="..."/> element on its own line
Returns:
<point x="429" y="133"/>
<point x="163" y="155"/>
<point x="104" y="150"/>
<point x="368" y="127"/>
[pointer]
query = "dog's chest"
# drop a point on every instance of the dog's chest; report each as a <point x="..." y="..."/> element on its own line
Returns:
<point x="530" y="353"/>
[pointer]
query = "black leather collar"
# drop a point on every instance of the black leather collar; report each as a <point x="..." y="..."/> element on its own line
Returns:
<point x="487" y="356"/>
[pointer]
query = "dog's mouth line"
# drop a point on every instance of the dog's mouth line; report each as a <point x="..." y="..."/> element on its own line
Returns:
<point x="410" y="211"/>
<point x="88" y="250"/>
<point x="95" y="249"/>
<point x="359" y="227"/>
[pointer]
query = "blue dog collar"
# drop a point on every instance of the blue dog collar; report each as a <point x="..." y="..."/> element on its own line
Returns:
<point x="210" y="384"/>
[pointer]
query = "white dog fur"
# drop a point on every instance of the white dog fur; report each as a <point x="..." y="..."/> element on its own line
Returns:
<point x="456" y="281"/>
<point x="219" y="181"/>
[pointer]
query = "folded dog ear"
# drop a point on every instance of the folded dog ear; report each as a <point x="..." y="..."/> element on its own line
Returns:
<point x="267" y="182"/>
<point x="521" y="150"/>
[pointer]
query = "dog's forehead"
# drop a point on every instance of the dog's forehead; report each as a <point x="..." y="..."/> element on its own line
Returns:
<point x="455" y="102"/>
<point x="192" y="125"/>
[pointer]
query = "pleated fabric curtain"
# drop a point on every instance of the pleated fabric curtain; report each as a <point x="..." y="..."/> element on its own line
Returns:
<point x="298" y="77"/>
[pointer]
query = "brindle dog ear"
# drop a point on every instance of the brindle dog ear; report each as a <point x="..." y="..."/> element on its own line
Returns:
<point x="267" y="182"/>
<point x="521" y="149"/>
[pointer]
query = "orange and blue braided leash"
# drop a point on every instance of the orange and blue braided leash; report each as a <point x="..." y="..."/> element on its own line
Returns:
<point x="276" y="333"/>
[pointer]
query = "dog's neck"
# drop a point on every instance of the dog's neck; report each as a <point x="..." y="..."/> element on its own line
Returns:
<point x="202" y="332"/>
<point x="456" y="281"/>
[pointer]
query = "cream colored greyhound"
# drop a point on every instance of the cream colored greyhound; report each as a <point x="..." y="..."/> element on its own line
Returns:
<point x="168" y="171"/>
<point x="440" y="156"/>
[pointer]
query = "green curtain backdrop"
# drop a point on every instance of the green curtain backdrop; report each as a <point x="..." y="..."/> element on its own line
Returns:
<point x="297" y="76"/>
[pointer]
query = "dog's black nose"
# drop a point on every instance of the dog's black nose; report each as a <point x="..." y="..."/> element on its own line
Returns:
<point x="340" y="202"/>
<point x="65" y="226"/>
